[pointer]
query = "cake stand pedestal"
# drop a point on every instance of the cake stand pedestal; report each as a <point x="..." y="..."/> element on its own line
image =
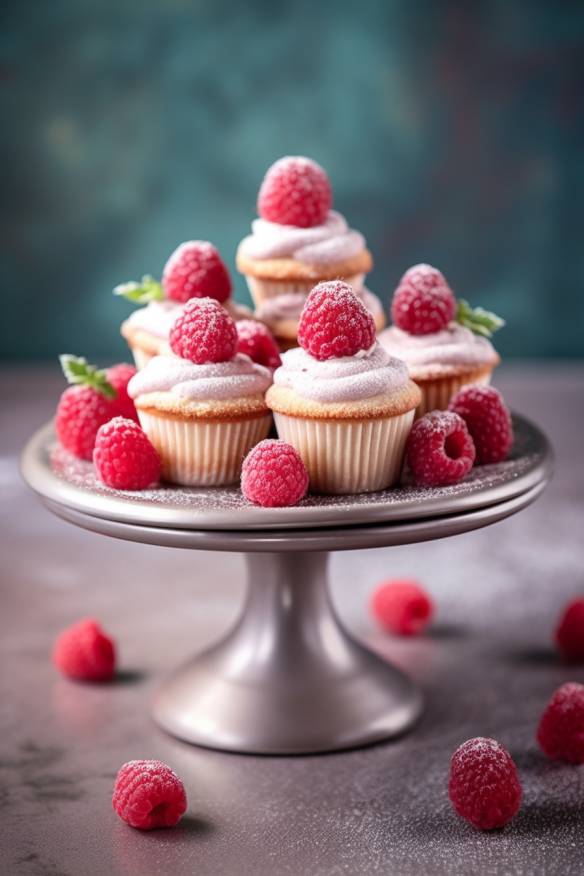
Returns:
<point x="288" y="678"/>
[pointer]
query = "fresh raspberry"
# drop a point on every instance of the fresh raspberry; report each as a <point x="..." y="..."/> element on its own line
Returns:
<point x="273" y="475"/>
<point x="295" y="191"/>
<point x="484" y="786"/>
<point x="487" y="419"/>
<point x="204" y="332"/>
<point x="423" y="302"/>
<point x="561" y="728"/>
<point x="256" y="341"/>
<point x="334" y="322"/>
<point x="124" y="457"/>
<point x="80" y="413"/>
<point x="196" y="270"/>
<point x="402" y="607"/>
<point x="148" y="794"/>
<point x="83" y="651"/>
<point x="119" y="376"/>
<point x="440" y="450"/>
<point x="570" y="630"/>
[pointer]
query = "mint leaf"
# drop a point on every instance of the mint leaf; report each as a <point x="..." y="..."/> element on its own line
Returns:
<point x="79" y="372"/>
<point x="480" y="321"/>
<point x="148" y="289"/>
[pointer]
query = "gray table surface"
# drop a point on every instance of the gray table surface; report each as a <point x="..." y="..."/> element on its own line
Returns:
<point x="486" y="668"/>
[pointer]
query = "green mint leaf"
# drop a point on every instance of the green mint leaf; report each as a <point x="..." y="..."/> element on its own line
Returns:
<point x="79" y="372"/>
<point x="148" y="289"/>
<point x="480" y="321"/>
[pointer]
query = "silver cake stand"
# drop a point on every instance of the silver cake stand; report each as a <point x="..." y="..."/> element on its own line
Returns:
<point x="288" y="678"/>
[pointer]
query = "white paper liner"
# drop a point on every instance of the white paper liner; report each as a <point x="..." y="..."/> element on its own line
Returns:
<point x="141" y="357"/>
<point x="262" y="289"/>
<point x="436" y="394"/>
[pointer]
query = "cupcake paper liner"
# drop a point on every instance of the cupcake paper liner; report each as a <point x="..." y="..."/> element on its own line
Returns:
<point x="141" y="357"/>
<point x="262" y="289"/>
<point x="436" y="394"/>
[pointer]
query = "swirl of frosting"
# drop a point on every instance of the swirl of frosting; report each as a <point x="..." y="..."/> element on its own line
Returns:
<point x="349" y="378"/>
<point x="156" y="317"/>
<point x="333" y="241"/>
<point x="216" y="380"/>
<point x="454" y="345"/>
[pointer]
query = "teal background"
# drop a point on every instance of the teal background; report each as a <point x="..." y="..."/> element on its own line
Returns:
<point x="452" y="132"/>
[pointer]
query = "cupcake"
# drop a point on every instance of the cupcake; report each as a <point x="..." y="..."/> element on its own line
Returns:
<point x="202" y="405"/>
<point x="194" y="270"/>
<point x="299" y="241"/>
<point x="340" y="399"/>
<point x="444" y="342"/>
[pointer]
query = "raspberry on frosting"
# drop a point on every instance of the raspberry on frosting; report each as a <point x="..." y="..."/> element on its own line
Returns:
<point x="561" y="728"/>
<point x="334" y="322"/>
<point x="484" y="786"/>
<point x="256" y="341"/>
<point x="423" y="302"/>
<point x="148" y="794"/>
<point x="487" y="419"/>
<point x="439" y="450"/>
<point x="123" y="456"/>
<point x="273" y="475"/>
<point x="84" y="652"/>
<point x="204" y="332"/>
<point x="402" y="607"/>
<point x="196" y="270"/>
<point x="295" y="191"/>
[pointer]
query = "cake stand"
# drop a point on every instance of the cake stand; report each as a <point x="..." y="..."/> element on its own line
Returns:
<point x="288" y="678"/>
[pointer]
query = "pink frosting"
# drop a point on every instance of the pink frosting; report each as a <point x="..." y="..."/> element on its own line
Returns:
<point x="236" y="378"/>
<point x="333" y="241"/>
<point x="455" y="345"/>
<point x="156" y="317"/>
<point x="288" y="305"/>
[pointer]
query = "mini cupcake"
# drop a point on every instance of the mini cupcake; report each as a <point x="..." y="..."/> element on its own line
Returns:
<point x="444" y="342"/>
<point x="297" y="242"/>
<point x="194" y="270"/>
<point x="340" y="399"/>
<point x="202" y="405"/>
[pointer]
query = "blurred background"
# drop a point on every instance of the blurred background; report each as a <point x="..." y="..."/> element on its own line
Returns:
<point x="453" y="133"/>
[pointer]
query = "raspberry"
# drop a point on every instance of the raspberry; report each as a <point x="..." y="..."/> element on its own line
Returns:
<point x="273" y="475"/>
<point x="402" y="607"/>
<point x="484" y="786"/>
<point x="204" y="332"/>
<point x="570" y="630"/>
<point x="487" y="419"/>
<point x="80" y="413"/>
<point x="148" y="794"/>
<point x="83" y="651"/>
<point x="334" y="322"/>
<point x="423" y="302"/>
<point x="196" y="270"/>
<point x="295" y="191"/>
<point x="561" y="728"/>
<point x="124" y="457"/>
<point x="256" y="341"/>
<point x="440" y="450"/>
<point x="119" y="376"/>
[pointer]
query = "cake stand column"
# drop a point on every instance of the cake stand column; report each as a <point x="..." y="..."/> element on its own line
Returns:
<point x="288" y="678"/>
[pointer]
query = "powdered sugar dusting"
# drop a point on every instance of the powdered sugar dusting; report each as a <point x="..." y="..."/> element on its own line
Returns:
<point x="454" y="345"/>
<point x="235" y="378"/>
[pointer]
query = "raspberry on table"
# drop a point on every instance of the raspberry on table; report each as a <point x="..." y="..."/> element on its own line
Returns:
<point x="196" y="270"/>
<point x="204" y="332"/>
<point x="273" y="475"/>
<point x="569" y="633"/>
<point x="119" y="376"/>
<point x="561" y="728"/>
<point x="423" y="302"/>
<point x="123" y="456"/>
<point x="148" y="794"/>
<point x="80" y="413"/>
<point x="484" y="786"/>
<point x="295" y="191"/>
<point x="487" y="419"/>
<point x="439" y="449"/>
<point x="256" y="341"/>
<point x="334" y="322"/>
<point x="402" y="607"/>
<point x="84" y="652"/>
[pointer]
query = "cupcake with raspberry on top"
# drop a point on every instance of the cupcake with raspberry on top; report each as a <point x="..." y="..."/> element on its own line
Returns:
<point x="340" y="399"/>
<point x="297" y="242"/>
<point x="444" y="342"/>
<point x="194" y="270"/>
<point x="202" y="405"/>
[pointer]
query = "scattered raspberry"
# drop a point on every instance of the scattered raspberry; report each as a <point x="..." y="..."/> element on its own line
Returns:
<point x="570" y="631"/>
<point x="440" y="450"/>
<point x="334" y="322"/>
<point x="196" y="270"/>
<point x="273" y="475"/>
<point x="256" y="341"/>
<point x="484" y="786"/>
<point x="148" y="794"/>
<point x="80" y="413"/>
<point x="561" y="728"/>
<point x="487" y="419"/>
<point x="204" y="332"/>
<point x="124" y="457"/>
<point x="119" y="376"/>
<point x="402" y="607"/>
<point x="83" y="651"/>
<point x="423" y="302"/>
<point x="295" y="191"/>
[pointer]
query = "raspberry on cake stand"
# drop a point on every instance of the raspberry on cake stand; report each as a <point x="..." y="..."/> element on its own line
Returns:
<point x="288" y="678"/>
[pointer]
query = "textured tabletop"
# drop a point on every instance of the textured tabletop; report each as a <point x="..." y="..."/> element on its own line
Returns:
<point x="486" y="668"/>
